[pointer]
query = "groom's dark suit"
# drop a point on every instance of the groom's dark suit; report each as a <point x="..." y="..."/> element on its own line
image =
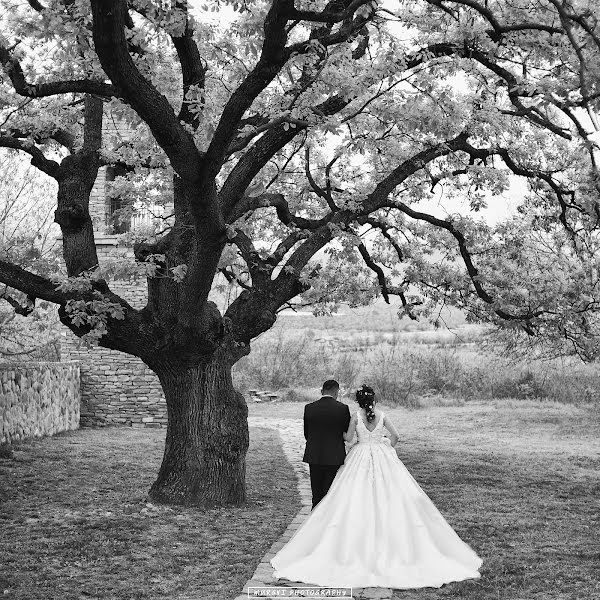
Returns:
<point x="325" y="422"/>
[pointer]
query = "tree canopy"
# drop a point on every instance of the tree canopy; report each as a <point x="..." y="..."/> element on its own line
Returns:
<point x="285" y="129"/>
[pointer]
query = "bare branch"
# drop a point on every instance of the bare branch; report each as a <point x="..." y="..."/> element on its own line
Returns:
<point x="322" y="193"/>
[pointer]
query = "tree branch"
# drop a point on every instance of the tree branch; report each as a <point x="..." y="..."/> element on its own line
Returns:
<point x="467" y="259"/>
<point x="36" y="5"/>
<point x="112" y="50"/>
<point x="274" y="55"/>
<point x="377" y="270"/>
<point x="17" y="306"/>
<point x="257" y="156"/>
<point x="384" y="229"/>
<point x="193" y="68"/>
<point x="279" y="202"/>
<point x="38" y="160"/>
<point x="328" y="14"/>
<point x="13" y="69"/>
<point x="276" y="138"/>
<point x="61" y="136"/>
<point x="498" y="29"/>
<point x="322" y="193"/>
<point x="259" y="270"/>
<point x="31" y="284"/>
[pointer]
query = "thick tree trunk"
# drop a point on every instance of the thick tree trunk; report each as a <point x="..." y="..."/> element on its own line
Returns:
<point x="207" y="436"/>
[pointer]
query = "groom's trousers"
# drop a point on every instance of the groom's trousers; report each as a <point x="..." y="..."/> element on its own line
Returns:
<point x="321" y="478"/>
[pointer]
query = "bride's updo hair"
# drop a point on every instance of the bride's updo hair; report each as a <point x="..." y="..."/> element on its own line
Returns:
<point x="366" y="399"/>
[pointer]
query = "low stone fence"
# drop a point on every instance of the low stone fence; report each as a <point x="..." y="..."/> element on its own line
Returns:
<point x="38" y="399"/>
<point x="118" y="389"/>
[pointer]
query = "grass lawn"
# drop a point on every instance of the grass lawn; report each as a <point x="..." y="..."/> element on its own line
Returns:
<point x="519" y="481"/>
<point x="74" y="521"/>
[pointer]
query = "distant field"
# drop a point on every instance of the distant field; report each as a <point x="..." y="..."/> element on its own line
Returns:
<point x="408" y="363"/>
<point x="377" y="317"/>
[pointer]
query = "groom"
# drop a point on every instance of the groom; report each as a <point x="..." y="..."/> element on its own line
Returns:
<point x="325" y="422"/>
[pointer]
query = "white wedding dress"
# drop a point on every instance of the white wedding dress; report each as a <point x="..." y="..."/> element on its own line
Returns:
<point x="375" y="528"/>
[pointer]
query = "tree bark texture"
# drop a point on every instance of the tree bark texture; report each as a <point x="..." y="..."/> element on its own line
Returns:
<point x="207" y="435"/>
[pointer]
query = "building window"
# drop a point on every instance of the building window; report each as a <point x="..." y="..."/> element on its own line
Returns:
<point x="116" y="221"/>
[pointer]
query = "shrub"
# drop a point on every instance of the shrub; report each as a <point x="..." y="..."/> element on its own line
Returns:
<point x="404" y="372"/>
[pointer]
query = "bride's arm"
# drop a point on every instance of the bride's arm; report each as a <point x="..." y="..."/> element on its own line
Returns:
<point x="394" y="437"/>
<point x="349" y="435"/>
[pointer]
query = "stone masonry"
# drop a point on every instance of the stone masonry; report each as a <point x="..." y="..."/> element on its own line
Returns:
<point x="117" y="388"/>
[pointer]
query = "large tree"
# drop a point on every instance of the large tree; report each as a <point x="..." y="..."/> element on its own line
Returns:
<point x="288" y="128"/>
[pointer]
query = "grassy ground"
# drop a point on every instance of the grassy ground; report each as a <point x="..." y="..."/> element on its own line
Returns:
<point x="75" y="524"/>
<point x="519" y="481"/>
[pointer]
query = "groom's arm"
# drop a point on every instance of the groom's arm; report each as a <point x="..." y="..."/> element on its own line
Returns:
<point x="349" y="426"/>
<point x="349" y="434"/>
<point x="305" y="425"/>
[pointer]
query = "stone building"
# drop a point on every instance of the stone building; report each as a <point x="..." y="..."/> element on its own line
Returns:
<point x="116" y="388"/>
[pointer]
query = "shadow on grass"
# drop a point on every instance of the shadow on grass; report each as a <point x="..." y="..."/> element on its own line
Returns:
<point x="75" y="521"/>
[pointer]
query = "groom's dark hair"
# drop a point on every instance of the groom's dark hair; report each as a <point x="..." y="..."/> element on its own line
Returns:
<point x="331" y="384"/>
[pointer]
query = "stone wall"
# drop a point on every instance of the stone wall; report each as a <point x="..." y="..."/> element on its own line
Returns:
<point x="116" y="388"/>
<point x="38" y="399"/>
<point x="120" y="389"/>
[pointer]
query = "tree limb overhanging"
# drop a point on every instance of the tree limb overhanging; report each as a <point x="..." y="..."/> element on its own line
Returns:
<point x="38" y="159"/>
<point x="13" y="69"/>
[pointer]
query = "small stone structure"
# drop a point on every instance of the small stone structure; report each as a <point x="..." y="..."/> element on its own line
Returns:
<point x="264" y="396"/>
<point x="38" y="399"/>
<point x="116" y="388"/>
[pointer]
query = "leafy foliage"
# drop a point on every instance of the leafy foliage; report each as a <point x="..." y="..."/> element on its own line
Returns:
<point x="326" y="151"/>
<point x="27" y="237"/>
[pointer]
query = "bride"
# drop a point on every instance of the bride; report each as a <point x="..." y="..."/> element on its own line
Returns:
<point x="375" y="527"/>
